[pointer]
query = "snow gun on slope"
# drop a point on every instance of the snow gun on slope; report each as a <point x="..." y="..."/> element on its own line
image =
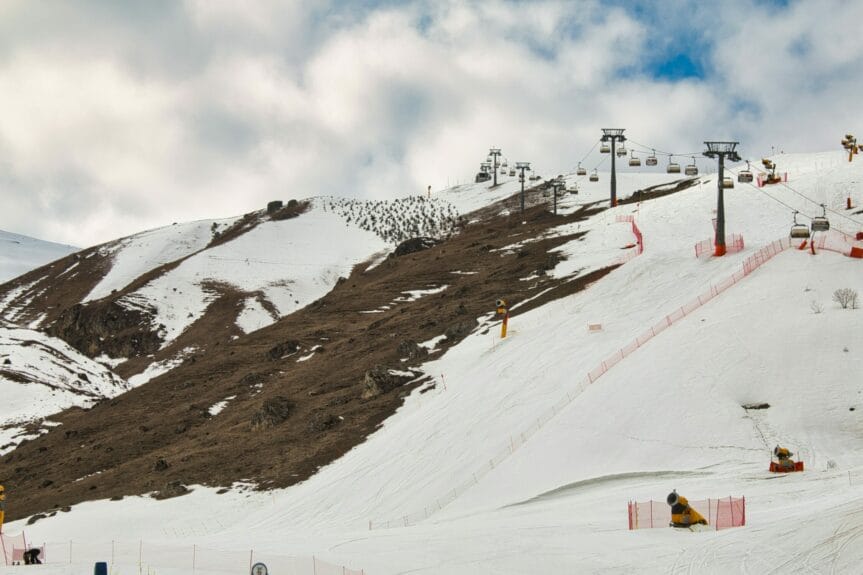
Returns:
<point x="784" y="463"/>
<point x="682" y="515"/>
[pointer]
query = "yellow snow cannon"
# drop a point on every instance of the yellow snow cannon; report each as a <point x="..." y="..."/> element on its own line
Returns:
<point x="682" y="515"/>
<point x="784" y="463"/>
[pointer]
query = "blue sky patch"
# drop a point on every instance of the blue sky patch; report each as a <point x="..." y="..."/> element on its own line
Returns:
<point x="677" y="67"/>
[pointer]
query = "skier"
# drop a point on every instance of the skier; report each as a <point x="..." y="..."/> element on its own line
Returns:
<point x="682" y="515"/>
<point x="2" y="507"/>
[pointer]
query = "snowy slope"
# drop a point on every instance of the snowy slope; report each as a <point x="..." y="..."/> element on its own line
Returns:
<point x="20" y="254"/>
<point x="136" y="255"/>
<point x="40" y="376"/>
<point x="667" y="416"/>
<point x="279" y="265"/>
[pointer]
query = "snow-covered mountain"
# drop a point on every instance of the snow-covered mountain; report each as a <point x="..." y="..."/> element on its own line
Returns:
<point x="20" y="254"/>
<point x="662" y="371"/>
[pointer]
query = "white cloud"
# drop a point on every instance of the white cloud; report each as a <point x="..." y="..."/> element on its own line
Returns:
<point x="103" y="134"/>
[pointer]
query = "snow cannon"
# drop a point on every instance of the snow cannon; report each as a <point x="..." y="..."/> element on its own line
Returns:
<point x="784" y="463"/>
<point x="682" y="515"/>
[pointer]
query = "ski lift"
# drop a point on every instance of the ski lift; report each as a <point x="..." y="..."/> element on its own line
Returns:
<point x="581" y="171"/>
<point x="621" y="151"/>
<point x="821" y="223"/>
<point x="511" y="172"/>
<point x="651" y="159"/>
<point x="745" y="176"/>
<point x="594" y="177"/>
<point x="692" y="169"/>
<point x="504" y="164"/>
<point x="633" y="161"/>
<point x="799" y="230"/>
<point x="727" y="182"/>
<point x="673" y="167"/>
<point x="604" y="148"/>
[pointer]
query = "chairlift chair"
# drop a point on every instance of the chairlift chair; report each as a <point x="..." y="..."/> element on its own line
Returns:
<point x="633" y="161"/>
<point x="651" y="159"/>
<point x="511" y="172"/>
<point x="673" y="167"/>
<point x="727" y="182"/>
<point x="581" y="171"/>
<point x="504" y="164"/>
<point x="691" y="169"/>
<point x="745" y="176"/>
<point x="799" y="230"/>
<point x="604" y="148"/>
<point x="594" y="177"/>
<point x="821" y="223"/>
<point x="621" y="151"/>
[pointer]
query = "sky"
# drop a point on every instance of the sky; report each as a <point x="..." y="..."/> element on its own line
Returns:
<point x="116" y="117"/>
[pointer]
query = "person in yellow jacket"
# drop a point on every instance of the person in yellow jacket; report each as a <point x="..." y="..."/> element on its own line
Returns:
<point x="2" y="506"/>
<point x="682" y="515"/>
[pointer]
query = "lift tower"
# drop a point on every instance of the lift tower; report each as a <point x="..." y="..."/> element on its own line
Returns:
<point x="522" y="166"/>
<point x="613" y="135"/>
<point x="721" y="150"/>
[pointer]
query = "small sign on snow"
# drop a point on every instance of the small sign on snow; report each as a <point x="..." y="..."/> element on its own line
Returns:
<point x="259" y="569"/>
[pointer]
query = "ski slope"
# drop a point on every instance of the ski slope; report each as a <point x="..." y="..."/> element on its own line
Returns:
<point x="20" y="254"/>
<point x="668" y="416"/>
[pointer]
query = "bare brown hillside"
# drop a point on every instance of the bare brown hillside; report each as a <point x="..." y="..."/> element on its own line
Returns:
<point x="285" y="418"/>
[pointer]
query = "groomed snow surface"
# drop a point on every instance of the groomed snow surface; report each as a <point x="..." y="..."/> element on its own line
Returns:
<point x="668" y="416"/>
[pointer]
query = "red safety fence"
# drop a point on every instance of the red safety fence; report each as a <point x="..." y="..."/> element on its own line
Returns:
<point x="14" y="547"/>
<point x="833" y="241"/>
<point x="143" y="556"/>
<point x="639" y="239"/>
<point x="733" y="244"/>
<point x="720" y="513"/>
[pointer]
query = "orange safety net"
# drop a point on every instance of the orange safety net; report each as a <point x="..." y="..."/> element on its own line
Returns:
<point x="720" y="513"/>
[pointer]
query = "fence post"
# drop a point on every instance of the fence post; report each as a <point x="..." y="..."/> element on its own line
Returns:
<point x="194" y="553"/>
<point x="731" y="505"/>
<point x="70" y="552"/>
<point x="140" y="554"/>
<point x="314" y="565"/>
<point x="651" y="513"/>
<point x="744" y="510"/>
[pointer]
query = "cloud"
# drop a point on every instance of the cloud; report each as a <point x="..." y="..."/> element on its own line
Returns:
<point x="117" y="117"/>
